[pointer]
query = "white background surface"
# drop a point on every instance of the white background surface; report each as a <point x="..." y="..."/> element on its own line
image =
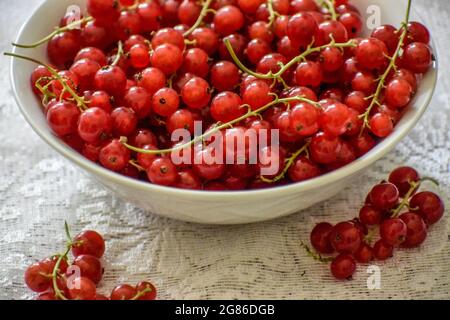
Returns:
<point x="39" y="190"/>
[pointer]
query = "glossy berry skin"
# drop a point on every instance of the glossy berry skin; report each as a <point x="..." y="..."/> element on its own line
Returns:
<point x="335" y="119"/>
<point x="226" y="106"/>
<point x="371" y="54"/>
<point x="206" y="39"/>
<point x="167" y="57"/>
<point x="63" y="118"/>
<point x="124" y="121"/>
<point x="168" y="35"/>
<point x="151" y="295"/>
<point x="429" y="205"/>
<point x="139" y="100"/>
<point x="111" y="79"/>
<point x="370" y="216"/>
<point x="123" y="292"/>
<point x="417" y="230"/>
<point x="352" y="22"/>
<point x="195" y="61"/>
<point x="345" y="237"/>
<point x="94" y="125"/>
<point x="139" y="56"/>
<point x="308" y="74"/>
<point x="38" y="277"/>
<point x="382" y="250"/>
<point x="320" y="238"/>
<point x="398" y="93"/>
<point x="417" y="57"/>
<point x="330" y="30"/>
<point x="180" y="119"/>
<point x="151" y="79"/>
<point x="63" y="47"/>
<point x="90" y="267"/>
<point x="393" y="231"/>
<point x="256" y="94"/>
<point x="196" y="93"/>
<point x="324" y="148"/>
<point x="381" y="125"/>
<point x="114" y="156"/>
<point x="364" y="254"/>
<point x="304" y="119"/>
<point x="101" y="100"/>
<point x="303" y="169"/>
<point x="165" y="102"/>
<point x="417" y="32"/>
<point x="88" y="242"/>
<point x="83" y="289"/>
<point x="163" y="172"/>
<point x="301" y="28"/>
<point x="224" y="76"/>
<point x="85" y="70"/>
<point x="388" y="34"/>
<point x="402" y="178"/>
<point x="343" y="267"/>
<point x="38" y="73"/>
<point x="384" y="196"/>
<point x="227" y="20"/>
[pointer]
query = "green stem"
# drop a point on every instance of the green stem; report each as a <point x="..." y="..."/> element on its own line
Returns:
<point x="203" y="13"/>
<point x="119" y="53"/>
<point x="272" y="13"/>
<point x="392" y="64"/>
<point x="330" y="6"/>
<point x="314" y="255"/>
<point x="217" y="128"/>
<point x="58" y="293"/>
<point x="58" y="30"/>
<point x="405" y="201"/>
<point x="142" y="293"/>
<point x="80" y="102"/>
<point x="289" y="162"/>
<point x="297" y="59"/>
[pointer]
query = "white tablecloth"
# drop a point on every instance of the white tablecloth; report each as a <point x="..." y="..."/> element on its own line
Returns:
<point x="39" y="190"/>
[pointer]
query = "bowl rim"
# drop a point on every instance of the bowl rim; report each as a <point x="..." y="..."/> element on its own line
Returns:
<point x="382" y="148"/>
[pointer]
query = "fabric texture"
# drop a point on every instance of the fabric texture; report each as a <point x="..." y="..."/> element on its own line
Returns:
<point x="39" y="190"/>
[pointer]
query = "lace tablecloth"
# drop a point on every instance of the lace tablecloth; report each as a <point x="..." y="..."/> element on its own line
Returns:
<point x="39" y="190"/>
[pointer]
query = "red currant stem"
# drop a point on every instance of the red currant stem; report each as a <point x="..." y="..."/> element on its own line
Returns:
<point x="330" y="6"/>
<point x="405" y="201"/>
<point x="80" y="102"/>
<point x="287" y="66"/>
<point x="203" y="13"/>
<point x="67" y="231"/>
<point x="217" y="128"/>
<point x="432" y="180"/>
<point x="369" y="237"/>
<point x="381" y="82"/>
<point x="134" y="164"/>
<point x="142" y="293"/>
<point x="289" y="162"/>
<point x="58" y="292"/>
<point x="58" y="30"/>
<point x="314" y="255"/>
<point x="119" y="53"/>
<point x="272" y="13"/>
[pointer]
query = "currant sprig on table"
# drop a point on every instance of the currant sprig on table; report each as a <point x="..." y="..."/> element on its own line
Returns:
<point x="395" y="212"/>
<point x="54" y="279"/>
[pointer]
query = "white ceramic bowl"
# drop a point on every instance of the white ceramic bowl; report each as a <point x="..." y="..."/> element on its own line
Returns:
<point x="199" y="206"/>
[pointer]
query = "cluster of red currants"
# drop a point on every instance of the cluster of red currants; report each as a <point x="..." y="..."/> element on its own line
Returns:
<point x="393" y="207"/>
<point x="137" y="71"/>
<point x="54" y="279"/>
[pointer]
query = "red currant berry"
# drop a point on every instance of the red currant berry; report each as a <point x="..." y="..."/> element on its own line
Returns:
<point x="38" y="277"/>
<point x="417" y="230"/>
<point x="226" y="106"/>
<point x="393" y="231"/>
<point x="429" y="205"/>
<point x="123" y="292"/>
<point x="402" y="178"/>
<point x="308" y="74"/>
<point x="63" y="117"/>
<point x="371" y="54"/>
<point x="320" y="238"/>
<point x="382" y="250"/>
<point x="196" y="93"/>
<point x="114" y="156"/>
<point x="139" y="100"/>
<point x="343" y="267"/>
<point x="381" y="125"/>
<point x="124" y="121"/>
<point x="88" y="242"/>
<point x="228" y="20"/>
<point x="82" y="289"/>
<point x="167" y="57"/>
<point x="90" y="267"/>
<point x="364" y="254"/>
<point x="94" y="125"/>
<point x="370" y="216"/>
<point x="165" y="102"/>
<point x="224" y="76"/>
<point x="163" y="172"/>
<point x="417" y="57"/>
<point x="345" y="237"/>
<point x="146" y="286"/>
<point x="112" y="80"/>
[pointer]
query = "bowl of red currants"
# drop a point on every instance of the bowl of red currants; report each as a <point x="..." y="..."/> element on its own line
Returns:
<point x="223" y="111"/>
